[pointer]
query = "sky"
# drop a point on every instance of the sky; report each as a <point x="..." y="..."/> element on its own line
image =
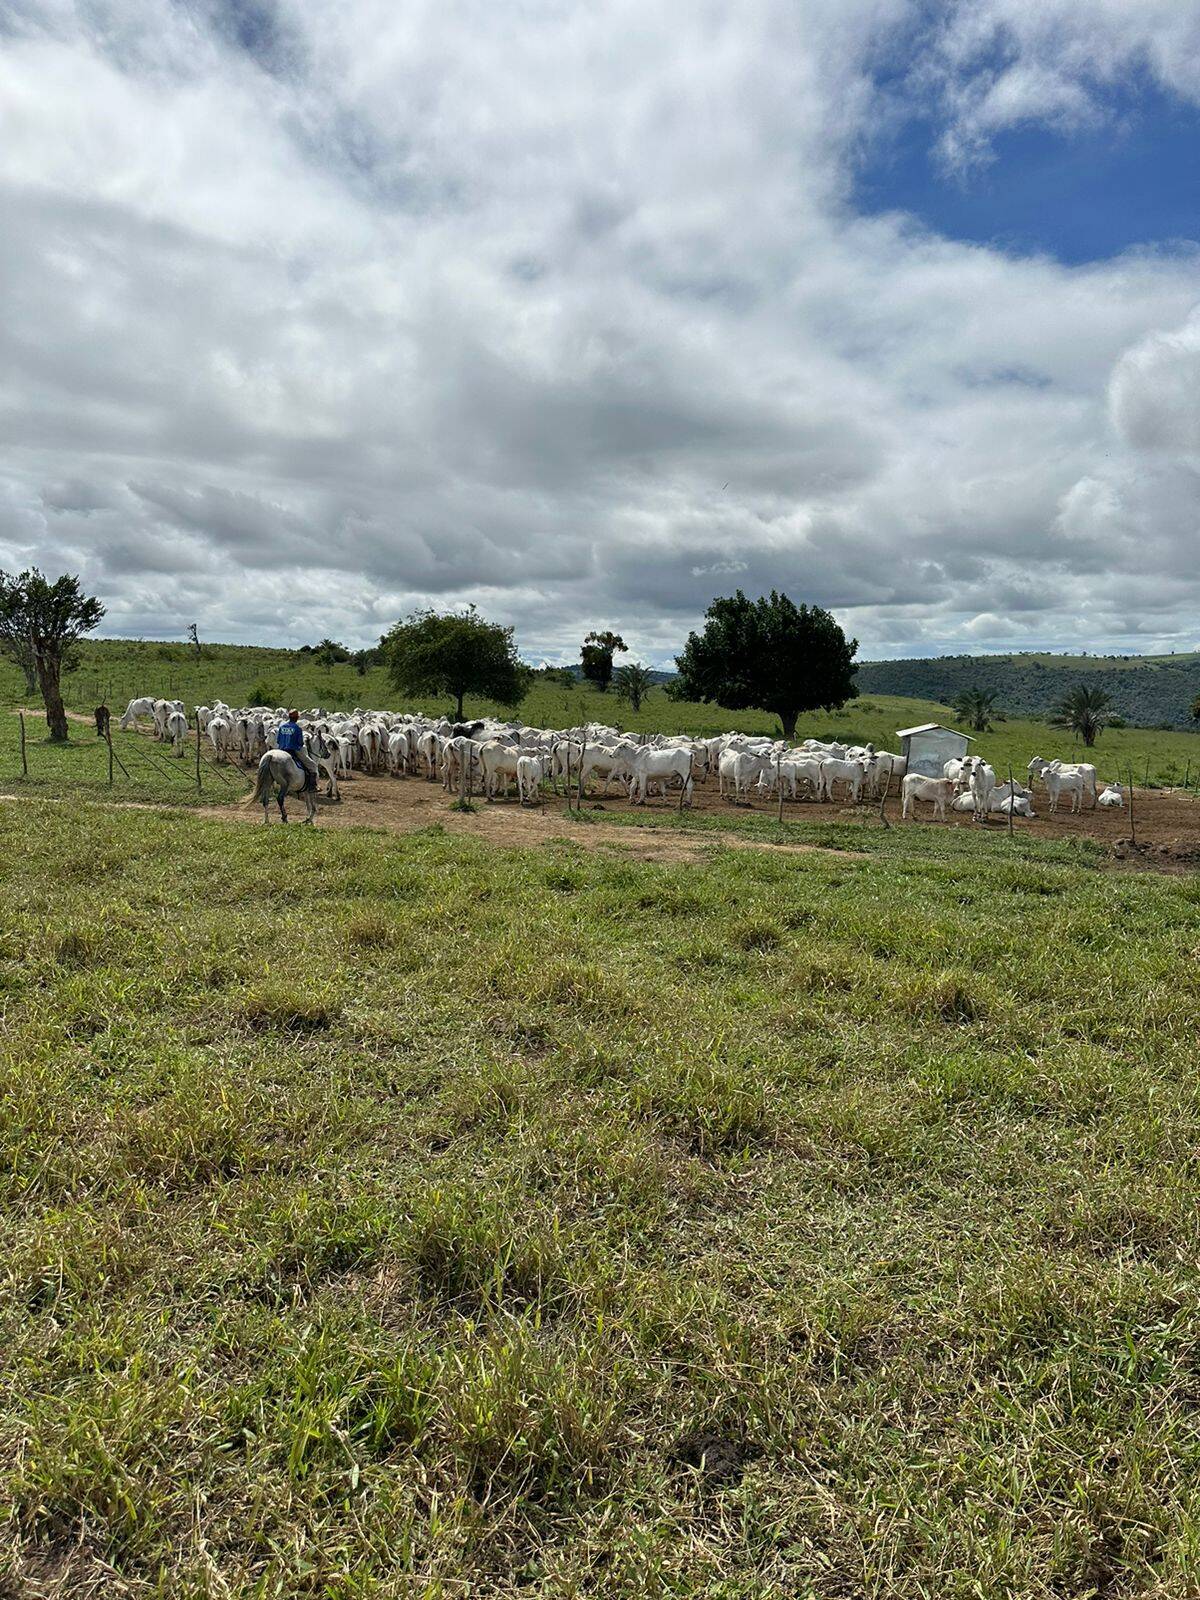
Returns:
<point x="587" y="311"/>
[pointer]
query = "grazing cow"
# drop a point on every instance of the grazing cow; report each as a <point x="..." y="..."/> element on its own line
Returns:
<point x="135" y="709"/>
<point x="938" y="790"/>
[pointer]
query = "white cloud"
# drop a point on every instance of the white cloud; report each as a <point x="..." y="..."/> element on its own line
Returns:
<point x="998" y="64"/>
<point x="316" y="314"/>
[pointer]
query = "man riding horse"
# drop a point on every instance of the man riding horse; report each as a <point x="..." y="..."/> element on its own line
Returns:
<point x="291" y="738"/>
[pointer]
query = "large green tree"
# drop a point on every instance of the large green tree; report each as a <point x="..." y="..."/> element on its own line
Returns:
<point x="771" y="653"/>
<point x="1086" y="712"/>
<point x="40" y="624"/>
<point x="456" y="653"/>
<point x="597" y="656"/>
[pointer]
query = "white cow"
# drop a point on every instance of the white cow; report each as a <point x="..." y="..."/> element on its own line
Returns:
<point x="1087" y="772"/>
<point x="1017" y="805"/>
<point x="1111" y="795"/>
<point x="837" y="770"/>
<point x="531" y="773"/>
<point x="938" y="790"/>
<point x="177" y="731"/>
<point x="1059" y="783"/>
<point x="499" y="761"/>
<point x="740" y="768"/>
<point x="982" y="780"/>
<point x="666" y="765"/>
<point x="135" y="709"/>
<point x="397" y="752"/>
<point x="220" y="736"/>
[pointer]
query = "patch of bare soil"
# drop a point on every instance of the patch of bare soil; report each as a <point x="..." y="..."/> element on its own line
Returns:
<point x="71" y="716"/>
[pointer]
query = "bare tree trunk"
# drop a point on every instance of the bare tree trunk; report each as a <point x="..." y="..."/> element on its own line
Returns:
<point x="788" y="722"/>
<point x="56" y="716"/>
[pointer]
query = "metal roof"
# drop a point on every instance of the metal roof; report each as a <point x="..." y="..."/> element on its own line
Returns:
<point x="928" y="727"/>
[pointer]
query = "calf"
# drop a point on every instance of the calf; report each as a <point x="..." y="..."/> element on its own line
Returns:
<point x="938" y="790"/>
<point x="531" y="771"/>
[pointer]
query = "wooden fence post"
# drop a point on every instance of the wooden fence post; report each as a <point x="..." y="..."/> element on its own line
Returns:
<point x="1132" y="819"/>
<point x="24" y="762"/>
<point x="108" y="742"/>
<point x="887" y="784"/>
<point x="779" y="782"/>
<point x="199" y="787"/>
<point x="582" y="754"/>
<point x="1011" y="800"/>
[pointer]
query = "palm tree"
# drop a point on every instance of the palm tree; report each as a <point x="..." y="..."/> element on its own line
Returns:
<point x="974" y="707"/>
<point x="633" y="683"/>
<point x="1086" y="712"/>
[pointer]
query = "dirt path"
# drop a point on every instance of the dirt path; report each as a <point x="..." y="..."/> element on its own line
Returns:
<point x="71" y="716"/>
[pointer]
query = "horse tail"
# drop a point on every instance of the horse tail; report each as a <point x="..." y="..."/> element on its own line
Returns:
<point x="262" y="785"/>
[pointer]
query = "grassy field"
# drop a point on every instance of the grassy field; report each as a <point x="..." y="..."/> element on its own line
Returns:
<point x="406" y="1217"/>
<point x="116" y="670"/>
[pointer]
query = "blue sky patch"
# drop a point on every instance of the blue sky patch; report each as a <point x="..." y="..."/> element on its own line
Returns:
<point x="1084" y="196"/>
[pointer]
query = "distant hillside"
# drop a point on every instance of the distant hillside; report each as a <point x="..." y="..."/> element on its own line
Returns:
<point x="1148" y="691"/>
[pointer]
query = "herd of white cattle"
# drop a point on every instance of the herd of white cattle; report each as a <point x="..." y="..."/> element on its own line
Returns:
<point x="492" y="757"/>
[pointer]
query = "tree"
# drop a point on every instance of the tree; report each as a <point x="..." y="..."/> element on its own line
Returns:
<point x="597" y="656"/>
<point x="41" y="622"/>
<point x="633" y="683"/>
<point x="329" y="653"/>
<point x="458" y="653"/>
<point x="974" y="707"/>
<point x="1196" y="709"/>
<point x="1086" y="712"/>
<point x="15" y="645"/>
<point x="194" y="638"/>
<point x="769" y="653"/>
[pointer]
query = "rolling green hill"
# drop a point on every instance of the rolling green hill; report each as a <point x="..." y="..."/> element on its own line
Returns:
<point x="1149" y="691"/>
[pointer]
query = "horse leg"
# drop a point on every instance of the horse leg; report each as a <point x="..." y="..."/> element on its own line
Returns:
<point x="282" y="807"/>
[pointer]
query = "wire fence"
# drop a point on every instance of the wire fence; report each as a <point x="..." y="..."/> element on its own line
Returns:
<point x="127" y="765"/>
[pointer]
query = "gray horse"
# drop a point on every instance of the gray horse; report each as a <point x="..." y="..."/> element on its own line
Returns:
<point x="278" y="774"/>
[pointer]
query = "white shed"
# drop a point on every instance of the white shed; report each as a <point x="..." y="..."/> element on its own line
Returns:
<point x="927" y="748"/>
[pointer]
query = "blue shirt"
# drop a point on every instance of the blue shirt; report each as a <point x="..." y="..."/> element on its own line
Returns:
<point x="290" y="737"/>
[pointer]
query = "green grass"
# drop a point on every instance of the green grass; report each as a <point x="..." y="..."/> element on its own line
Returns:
<point x="118" y="669"/>
<point x="143" y="771"/>
<point x="402" y="1216"/>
